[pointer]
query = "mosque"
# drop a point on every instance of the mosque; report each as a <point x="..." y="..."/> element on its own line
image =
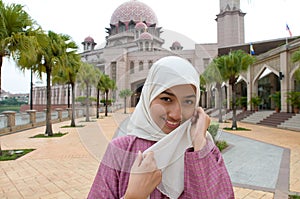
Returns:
<point x="134" y="43"/>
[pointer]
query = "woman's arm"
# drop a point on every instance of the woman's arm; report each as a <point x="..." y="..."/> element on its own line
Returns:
<point x="105" y="184"/>
<point x="205" y="174"/>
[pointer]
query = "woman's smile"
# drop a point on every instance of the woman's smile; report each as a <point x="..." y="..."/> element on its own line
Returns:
<point x="172" y="125"/>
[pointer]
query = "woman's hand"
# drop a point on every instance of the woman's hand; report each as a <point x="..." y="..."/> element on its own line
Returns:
<point x="200" y="123"/>
<point x="144" y="177"/>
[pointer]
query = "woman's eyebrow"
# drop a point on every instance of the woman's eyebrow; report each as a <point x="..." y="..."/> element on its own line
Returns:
<point x="190" y="96"/>
<point x="168" y="93"/>
<point x="172" y="94"/>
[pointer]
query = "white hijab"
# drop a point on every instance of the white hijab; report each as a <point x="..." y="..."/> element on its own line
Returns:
<point x="170" y="148"/>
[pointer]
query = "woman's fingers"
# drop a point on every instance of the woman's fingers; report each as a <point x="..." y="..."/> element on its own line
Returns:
<point x="200" y="123"/>
<point x="138" y="160"/>
<point x="144" y="176"/>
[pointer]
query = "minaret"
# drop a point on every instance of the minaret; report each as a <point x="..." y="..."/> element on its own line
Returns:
<point x="88" y="44"/>
<point x="230" y="23"/>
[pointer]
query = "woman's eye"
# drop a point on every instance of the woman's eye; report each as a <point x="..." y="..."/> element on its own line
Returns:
<point x="189" y="102"/>
<point x="166" y="99"/>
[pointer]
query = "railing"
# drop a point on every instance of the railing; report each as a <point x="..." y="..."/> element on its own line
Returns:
<point x="10" y="121"/>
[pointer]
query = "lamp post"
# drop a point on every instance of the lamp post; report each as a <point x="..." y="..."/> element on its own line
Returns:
<point x="31" y="89"/>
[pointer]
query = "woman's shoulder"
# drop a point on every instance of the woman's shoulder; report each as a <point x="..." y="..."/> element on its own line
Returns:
<point x="130" y="143"/>
<point x="122" y="140"/>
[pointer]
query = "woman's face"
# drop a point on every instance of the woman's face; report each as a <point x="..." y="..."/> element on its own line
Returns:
<point x="173" y="107"/>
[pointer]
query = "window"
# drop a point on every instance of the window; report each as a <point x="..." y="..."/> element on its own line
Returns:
<point x="141" y="66"/>
<point x="131" y="67"/>
<point x="122" y="27"/>
<point x="205" y="62"/>
<point x="150" y="63"/>
<point x="147" y="46"/>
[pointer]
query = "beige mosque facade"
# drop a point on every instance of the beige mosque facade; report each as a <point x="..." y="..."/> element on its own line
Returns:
<point x="134" y="43"/>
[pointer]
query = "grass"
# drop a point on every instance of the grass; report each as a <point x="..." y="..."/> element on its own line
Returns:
<point x="294" y="197"/>
<point x="13" y="154"/>
<point x="221" y="145"/>
<point x="59" y="134"/>
<point x="238" y="129"/>
<point x="9" y="108"/>
<point x="68" y="126"/>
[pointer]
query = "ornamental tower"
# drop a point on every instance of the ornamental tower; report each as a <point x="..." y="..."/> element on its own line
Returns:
<point x="230" y="23"/>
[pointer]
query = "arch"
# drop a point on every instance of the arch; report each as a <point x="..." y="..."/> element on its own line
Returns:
<point x="293" y="83"/>
<point x="264" y="84"/>
<point x="131" y="67"/>
<point x="141" y="65"/>
<point x="137" y="88"/>
<point x="150" y="63"/>
<point x="265" y="66"/>
<point x="131" y="25"/>
<point x="147" y="46"/>
<point x="122" y="27"/>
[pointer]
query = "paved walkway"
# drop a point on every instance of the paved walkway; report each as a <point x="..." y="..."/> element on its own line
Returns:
<point x="65" y="167"/>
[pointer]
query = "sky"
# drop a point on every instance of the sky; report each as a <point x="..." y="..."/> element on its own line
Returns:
<point x="194" y="19"/>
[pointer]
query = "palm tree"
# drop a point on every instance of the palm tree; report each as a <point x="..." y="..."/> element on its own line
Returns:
<point x="202" y="88"/>
<point x="99" y="85"/>
<point x="230" y="66"/>
<point x="15" y="23"/>
<point x="68" y="76"/>
<point x="87" y="77"/>
<point x="51" y="56"/>
<point x="212" y="75"/>
<point x="296" y="58"/>
<point x="124" y="94"/>
<point x="107" y="84"/>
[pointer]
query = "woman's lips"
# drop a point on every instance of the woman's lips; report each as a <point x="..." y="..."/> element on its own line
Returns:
<point x="172" y="125"/>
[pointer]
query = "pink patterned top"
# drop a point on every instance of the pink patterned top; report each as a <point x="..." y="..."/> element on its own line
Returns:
<point x="205" y="174"/>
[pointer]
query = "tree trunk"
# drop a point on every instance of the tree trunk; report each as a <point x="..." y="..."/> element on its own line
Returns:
<point x="106" y="102"/>
<point x="234" y="123"/>
<point x="98" y="96"/>
<point x="125" y="105"/>
<point x="68" y="95"/>
<point x="87" y="116"/>
<point x="49" y="131"/>
<point x="31" y="89"/>
<point x="0" y="150"/>
<point x="73" y="106"/>
<point x="1" y="61"/>
<point x="220" y="102"/>
<point x="200" y="100"/>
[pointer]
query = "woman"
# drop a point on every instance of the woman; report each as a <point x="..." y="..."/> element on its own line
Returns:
<point x="167" y="152"/>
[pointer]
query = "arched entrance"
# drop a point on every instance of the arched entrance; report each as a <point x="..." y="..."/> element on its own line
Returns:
<point x="137" y="88"/>
<point x="267" y="83"/>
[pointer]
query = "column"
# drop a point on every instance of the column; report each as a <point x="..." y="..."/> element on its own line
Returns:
<point x="32" y="116"/>
<point x="11" y="119"/>
<point x="59" y="112"/>
<point x="284" y="82"/>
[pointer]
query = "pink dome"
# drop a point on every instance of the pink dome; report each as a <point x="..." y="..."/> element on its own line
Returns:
<point x="140" y="26"/>
<point x="133" y="10"/>
<point x="176" y="44"/>
<point x="146" y="36"/>
<point x="89" y="40"/>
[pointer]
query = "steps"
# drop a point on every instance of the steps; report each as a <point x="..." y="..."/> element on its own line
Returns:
<point x="276" y="119"/>
<point x="282" y="120"/>
<point x="293" y="123"/>
<point x="243" y="114"/>
<point x="257" y="116"/>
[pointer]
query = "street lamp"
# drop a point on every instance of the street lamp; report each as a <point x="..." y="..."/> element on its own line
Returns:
<point x="31" y="89"/>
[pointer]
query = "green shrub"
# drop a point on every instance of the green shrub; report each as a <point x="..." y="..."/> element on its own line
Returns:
<point x="213" y="129"/>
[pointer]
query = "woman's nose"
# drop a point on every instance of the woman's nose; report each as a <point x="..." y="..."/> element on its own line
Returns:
<point x="175" y="111"/>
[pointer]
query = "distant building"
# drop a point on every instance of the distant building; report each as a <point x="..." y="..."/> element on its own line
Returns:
<point x="20" y="97"/>
<point x="134" y="43"/>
